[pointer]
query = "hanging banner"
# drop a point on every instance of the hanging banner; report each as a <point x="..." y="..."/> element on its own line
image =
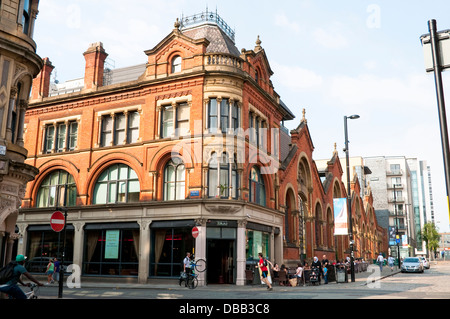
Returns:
<point x="340" y="216"/>
<point x="112" y="244"/>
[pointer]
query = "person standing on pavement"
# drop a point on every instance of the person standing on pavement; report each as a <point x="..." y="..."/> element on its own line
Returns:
<point x="391" y="262"/>
<point x="11" y="287"/>
<point x="380" y="261"/>
<point x="49" y="272"/>
<point x="264" y="270"/>
<point x="56" y="273"/>
<point x="316" y="264"/>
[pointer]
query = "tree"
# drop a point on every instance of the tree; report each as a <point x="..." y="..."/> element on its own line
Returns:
<point x="431" y="237"/>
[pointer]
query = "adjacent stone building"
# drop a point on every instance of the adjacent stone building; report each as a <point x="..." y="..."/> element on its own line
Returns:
<point x="19" y="64"/>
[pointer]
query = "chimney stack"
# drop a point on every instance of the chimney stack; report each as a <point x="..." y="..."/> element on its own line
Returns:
<point x="41" y="83"/>
<point x="95" y="57"/>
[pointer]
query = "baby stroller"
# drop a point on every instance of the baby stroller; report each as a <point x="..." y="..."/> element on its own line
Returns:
<point x="314" y="277"/>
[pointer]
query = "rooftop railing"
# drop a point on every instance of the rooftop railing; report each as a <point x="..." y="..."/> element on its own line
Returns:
<point x="203" y="17"/>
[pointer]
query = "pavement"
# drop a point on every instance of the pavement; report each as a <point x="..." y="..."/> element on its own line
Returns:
<point x="361" y="278"/>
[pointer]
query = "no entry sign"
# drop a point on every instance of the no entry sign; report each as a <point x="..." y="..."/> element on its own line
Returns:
<point x="57" y="221"/>
<point x="195" y="232"/>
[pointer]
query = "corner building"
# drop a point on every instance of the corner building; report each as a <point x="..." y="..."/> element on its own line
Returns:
<point x="194" y="137"/>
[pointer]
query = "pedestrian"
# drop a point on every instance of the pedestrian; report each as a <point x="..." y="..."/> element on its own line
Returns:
<point x="49" y="272"/>
<point x="262" y="265"/>
<point x="316" y="264"/>
<point x="56" y="273"/>
<point x="325" y="275"/>
<point x="380" y="261"/>
<point x="11" y="287"/>
<point x="391" y="262"/>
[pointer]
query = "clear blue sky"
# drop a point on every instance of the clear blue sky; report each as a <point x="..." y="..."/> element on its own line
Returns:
<point x="333" y="58"/>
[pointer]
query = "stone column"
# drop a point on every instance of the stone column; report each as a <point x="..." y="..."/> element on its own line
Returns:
<point x="240" y="253"/>
<point x="200" y="248"/>
<point x="144" y="250"/>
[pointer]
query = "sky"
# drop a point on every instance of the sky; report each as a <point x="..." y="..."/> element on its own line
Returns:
<point x="331" y="58"/>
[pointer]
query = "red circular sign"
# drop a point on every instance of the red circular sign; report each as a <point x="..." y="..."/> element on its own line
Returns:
<point x="57" y="221"/>
<point x="195" y="232"/>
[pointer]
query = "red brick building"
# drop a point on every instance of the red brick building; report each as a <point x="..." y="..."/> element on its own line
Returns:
<point x="193" y="136"/>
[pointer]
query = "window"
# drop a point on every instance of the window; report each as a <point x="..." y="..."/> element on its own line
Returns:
<point x="53" y="187"/>
<point x="117" y="184"/>
<point x="60" y="137"/>
<point x="174" y="180"/>
<point x="112" y="251"/>
<point x="176" y="64"/>
<point x="228" y="111"/>
<point x="212" y="118"/>
<point x="219" y="177"/>
<point x="26" y="16"/>
<point x="175" y="120"/>
<point x="257" y="189"/>
<point x="119" y="128"/>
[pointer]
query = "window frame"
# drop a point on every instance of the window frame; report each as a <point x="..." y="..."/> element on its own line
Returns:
<point x="113" y="185"/>
<point x="176" y="64"/>
<point x="57" y="189"/>
<point x="259" y="188"/>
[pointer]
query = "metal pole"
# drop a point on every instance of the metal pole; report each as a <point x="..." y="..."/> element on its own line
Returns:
<point x="349" y="202"/>
<point x="397" y="236"/>
<point x="61" y="266"/>
<point x="441" y="102"/>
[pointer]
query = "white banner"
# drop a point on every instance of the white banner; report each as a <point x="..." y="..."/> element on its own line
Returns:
<point x="340" y="216"/>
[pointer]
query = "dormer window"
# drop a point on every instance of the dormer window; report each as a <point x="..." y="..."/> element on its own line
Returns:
<point x="176" y="64"/>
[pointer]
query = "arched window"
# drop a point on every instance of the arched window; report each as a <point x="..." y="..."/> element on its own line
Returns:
<point x="174" y="180"/>
<point x="53" y="187"/>
<point x="176" y="64"/>
<point x="117" y="184"/>
<point x="257" y="188"/>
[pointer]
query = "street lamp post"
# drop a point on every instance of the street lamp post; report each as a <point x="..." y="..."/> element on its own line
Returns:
<point x="439" y="41"/>
<point x="349" y="198"/>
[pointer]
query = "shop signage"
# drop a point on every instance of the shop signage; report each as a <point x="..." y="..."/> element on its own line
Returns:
<point x="112" y="244"/>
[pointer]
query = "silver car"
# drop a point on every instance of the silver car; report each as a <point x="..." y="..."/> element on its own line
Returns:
<point x="425" y="262"/>
<point x="412" y="264"/>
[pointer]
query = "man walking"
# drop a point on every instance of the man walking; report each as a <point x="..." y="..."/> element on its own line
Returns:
<point x="380" y="261"/>
<point x="262" y="264"/>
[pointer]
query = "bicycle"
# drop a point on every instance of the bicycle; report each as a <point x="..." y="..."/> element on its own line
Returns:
<point x="32" y="294"/>
<point x="191" y="279"/>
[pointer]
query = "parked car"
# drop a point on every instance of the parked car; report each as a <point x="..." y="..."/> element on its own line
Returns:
<point x="37" y="264"/>
<point x="425" y="262"/>
<point x="412" y="264"/>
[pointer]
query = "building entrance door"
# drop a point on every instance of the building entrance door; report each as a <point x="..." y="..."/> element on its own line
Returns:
<point x="221" y="261"/>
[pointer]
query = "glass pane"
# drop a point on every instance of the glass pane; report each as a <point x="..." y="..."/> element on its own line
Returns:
<point x="224" y="182"/>
<point x="100" y="192"/>
<point x="180" y="191"/>
<point x="183" y="128"/>
<point x="180" y="173"/>
<point x="119" y="121"/>
<point x="52" y="196"/>
<point x="121" y="194"/>
<point x="167" y="129"/>
<point x="169" y="192"/>
<point x="133" y="119"/>
<point x="54" y="178"/>
<point x="212" y="182"/>
<point x="119" y="138"/>
<point x="133" y="174"/>
<point x="107" y="123"/>
<point x="183" y="111"/>
<point x="103" y="176"/>
<point x="123" y="172"/>
<point x="112" y="192"/>
<point x="133" y="187"/>
<point x="42" y="198"/>
<point x="113" y="172"/>
<point x="62" y="177"/>
<point x="106" y="139"/>
<point x="133" y="135"/>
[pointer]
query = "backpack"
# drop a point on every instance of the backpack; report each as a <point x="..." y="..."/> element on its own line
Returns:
<point x="265" y="262"/>
<point x="7" y="272"/>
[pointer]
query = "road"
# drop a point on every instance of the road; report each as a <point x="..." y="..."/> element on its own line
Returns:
<point x="434" y="283"/>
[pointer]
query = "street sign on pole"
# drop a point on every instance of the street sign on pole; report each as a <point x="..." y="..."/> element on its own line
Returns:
<point x="57" y="221"/>
<point x="195" y="232"/>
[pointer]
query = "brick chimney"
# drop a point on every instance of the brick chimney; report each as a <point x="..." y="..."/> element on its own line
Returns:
<point x="41" y="83"/>
<point x="95" y="59"/>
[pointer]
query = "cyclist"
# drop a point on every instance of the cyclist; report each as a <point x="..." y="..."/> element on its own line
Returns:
<point x="187" y="267"/>
<point x="11" y="287"/>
